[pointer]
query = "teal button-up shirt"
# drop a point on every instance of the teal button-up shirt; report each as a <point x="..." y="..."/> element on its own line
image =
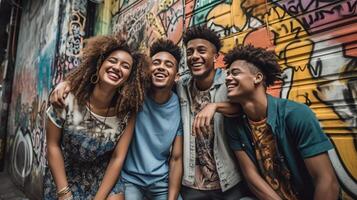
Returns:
<point x="297" y="133"/>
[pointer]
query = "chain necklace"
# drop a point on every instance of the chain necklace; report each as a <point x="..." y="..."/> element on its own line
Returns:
<point x="94" y="118"/>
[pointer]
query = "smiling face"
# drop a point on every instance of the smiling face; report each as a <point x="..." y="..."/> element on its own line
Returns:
<point x="242" y="80"/>
<point x="201" y="55"/>
<point x="163" y="70"/>
<point x="115" y="69"/>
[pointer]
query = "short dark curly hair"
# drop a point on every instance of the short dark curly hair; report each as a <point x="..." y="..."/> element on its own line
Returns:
<point x="165" y="45"/>
<point x="202" y="32"/>
<point x="129" y="97"/>
<point x="265" y="61"/>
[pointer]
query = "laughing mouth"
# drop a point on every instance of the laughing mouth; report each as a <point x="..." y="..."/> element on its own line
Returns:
<point x="198" y="64"/>
<point x="231" y="85"/>
<point x="160" y="75"/>
<point x="113" y="75"/>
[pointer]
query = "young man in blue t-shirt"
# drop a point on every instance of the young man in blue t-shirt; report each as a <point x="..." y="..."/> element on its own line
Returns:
<point x="153" y="166"/>
<point x="279" y="144"/>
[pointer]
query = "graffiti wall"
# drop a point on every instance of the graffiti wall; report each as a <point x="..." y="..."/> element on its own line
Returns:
<point x="32" y="82"/>
<point x="71" y="33"/>
<point x="50" y="38"/>
<point x="315" y="41"/>
<point x="144" y="21"/>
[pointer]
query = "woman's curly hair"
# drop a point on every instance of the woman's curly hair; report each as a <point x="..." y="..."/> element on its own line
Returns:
<point x="265" y="61"/>
<point x="130" y="96"/>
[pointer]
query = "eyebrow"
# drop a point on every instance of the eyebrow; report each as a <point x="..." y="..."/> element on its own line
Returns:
<point x="165" y="61"/>
<point x="234" y="69"/>
<point x="202" y="46"/>
<point x="115" y="58"/>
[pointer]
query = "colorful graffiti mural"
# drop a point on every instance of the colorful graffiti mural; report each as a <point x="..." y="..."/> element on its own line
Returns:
<point x="32" y="81"/>
<point x="146" y="21"/>
<point x="56" y="29"/>
<point x="315" y="43"/>
<point x="73" y="20"/>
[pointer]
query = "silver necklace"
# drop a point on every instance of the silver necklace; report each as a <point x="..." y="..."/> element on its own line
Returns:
<point x="93" y="118"/>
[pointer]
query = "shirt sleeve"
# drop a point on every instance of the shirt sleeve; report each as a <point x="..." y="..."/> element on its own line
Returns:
<point x="57" y="116"/>
<point x="232" y="133"/>
<point x="307" y="133"/>
<point x="180" y="129"/>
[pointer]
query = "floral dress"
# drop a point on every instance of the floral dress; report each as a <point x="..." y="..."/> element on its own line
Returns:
<point x="87" y="143"/>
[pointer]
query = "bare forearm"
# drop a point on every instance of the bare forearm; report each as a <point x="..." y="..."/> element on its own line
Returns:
<point x="227" y="109"/>
<point x="326" y="190"/>
<point x="56" y="164"/>
<point x="110" y="178"/>
<point x="175" y="175"/>
<point x="261" y="189"/>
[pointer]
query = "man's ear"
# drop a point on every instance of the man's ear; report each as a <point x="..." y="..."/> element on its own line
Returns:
<point x="177" y="77"/>
<point x="259" y="77"/>
<point x="215" y="57"/>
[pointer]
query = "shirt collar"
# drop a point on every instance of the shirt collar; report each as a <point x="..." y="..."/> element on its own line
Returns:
<point x="272" y="111"/>
<point x="219" y="79"/>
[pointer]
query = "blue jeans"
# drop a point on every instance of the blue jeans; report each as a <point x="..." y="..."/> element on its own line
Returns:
<point x="155" y="191"/>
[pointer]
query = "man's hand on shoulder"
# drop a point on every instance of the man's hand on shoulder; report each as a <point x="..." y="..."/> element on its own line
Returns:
<point x="59" y="94"/>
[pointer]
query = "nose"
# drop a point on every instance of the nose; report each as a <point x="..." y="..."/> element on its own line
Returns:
<point x="161" y="67"/>
<point x="194" y="55"/>
<point x="117" y="66"/>
<point x="228" y="78"/>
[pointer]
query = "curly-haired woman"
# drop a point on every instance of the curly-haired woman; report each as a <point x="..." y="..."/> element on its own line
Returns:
<point x="87" y="141"/>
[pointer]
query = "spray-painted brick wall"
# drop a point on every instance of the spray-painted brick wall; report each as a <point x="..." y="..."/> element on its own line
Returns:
<point x="50" y="39"/>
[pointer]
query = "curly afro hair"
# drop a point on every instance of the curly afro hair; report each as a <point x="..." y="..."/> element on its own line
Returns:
<point x="130" y="96"/>
<point x="265" y="61"/>
<point x="202" y="32"/>
<point x="165" y="45"/>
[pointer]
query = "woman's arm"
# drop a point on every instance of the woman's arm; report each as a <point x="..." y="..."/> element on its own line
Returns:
<point x="175" y="172"/>
<point x="55" y="157"/>
<point x="116" y="162"/>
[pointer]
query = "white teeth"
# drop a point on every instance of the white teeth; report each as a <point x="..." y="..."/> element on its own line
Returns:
<point x="159" y="75"/>
<point x="196" y="64"/>
<point x="230" y="86"/>
<point x="114" y="75"/>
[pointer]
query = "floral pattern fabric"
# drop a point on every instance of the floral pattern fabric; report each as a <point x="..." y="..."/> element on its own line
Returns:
<point x="206" y="175"/>
<point x="87" y="143"/>
<point x="274" y="173"/>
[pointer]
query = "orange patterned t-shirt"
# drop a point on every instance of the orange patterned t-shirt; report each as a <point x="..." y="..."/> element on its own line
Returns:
<point x="271" y="170"/>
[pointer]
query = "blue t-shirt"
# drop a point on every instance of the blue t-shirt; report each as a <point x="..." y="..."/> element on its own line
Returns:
<point x="156" y="127"/>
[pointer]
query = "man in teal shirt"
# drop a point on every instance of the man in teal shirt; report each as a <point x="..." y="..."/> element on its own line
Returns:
<point x="279" y="144"/>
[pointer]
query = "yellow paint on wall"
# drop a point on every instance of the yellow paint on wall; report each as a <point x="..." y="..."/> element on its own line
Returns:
<point x="104" y="17"/>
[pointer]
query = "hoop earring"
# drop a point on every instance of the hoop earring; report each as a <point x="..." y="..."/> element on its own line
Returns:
<point x="94" y="78"/>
